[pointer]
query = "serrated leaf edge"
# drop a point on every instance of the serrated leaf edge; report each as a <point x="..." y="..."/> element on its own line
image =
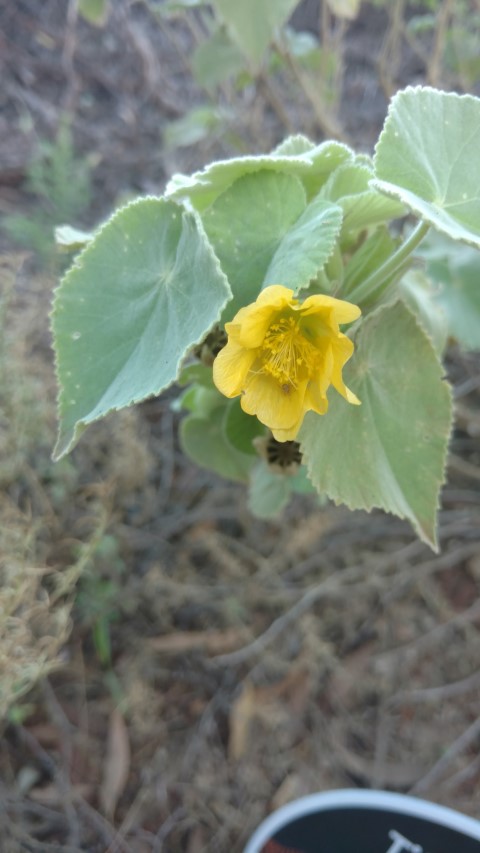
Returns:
<point x="61" y="449"/>
<point x="393" y="190"/>
<point x="368" y="507"/>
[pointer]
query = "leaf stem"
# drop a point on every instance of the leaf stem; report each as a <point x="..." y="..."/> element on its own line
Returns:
<point x="371" y="285"/>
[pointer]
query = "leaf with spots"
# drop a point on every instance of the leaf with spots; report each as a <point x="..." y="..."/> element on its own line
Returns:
<point x="264" y="233"/>
<point x="140" y="295"/>
<point x="390" y="451"/>
<point x="427" y="157"/>
<point x="311" y="164"/>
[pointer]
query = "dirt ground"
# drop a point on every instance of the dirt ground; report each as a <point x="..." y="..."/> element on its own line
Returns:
<point x="250" y="662"/>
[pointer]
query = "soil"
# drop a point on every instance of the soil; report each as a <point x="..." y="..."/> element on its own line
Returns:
<point x="251" y="662"/>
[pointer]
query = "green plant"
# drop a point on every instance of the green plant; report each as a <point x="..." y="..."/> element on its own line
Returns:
<point x="246" y="51"/>
<point x="97" y="599"/>
<point x="37" y="589"/>
<point x="275" y="251"/>
<point x="59" y="181"/>
<point x="443" y="34"/>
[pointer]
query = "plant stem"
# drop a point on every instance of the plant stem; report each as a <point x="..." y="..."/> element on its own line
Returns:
<point x="327" y="122"/>
<point x="442" y="21"/>
<point x="393" y="264"/>
<point x="388" y="59"/>
<point x="267" y="89"/>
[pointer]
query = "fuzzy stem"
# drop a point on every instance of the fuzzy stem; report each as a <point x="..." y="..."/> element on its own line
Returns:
<point x="393" y="264"/>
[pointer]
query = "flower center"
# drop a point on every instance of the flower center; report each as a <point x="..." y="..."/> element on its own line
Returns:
<point x="287" y="355"/>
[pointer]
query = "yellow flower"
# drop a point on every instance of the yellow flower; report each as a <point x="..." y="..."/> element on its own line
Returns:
<point x="282" y="355"/>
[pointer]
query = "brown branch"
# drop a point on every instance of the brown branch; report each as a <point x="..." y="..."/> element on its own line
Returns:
<point x="460" y="745"/>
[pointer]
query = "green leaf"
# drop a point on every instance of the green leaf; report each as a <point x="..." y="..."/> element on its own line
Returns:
<point x="304" y="46"/>
<point x="455" y="271"/>
<point x="293" y="146"/>
<point x="362" y="205"/>
<point x="312" y="165"/>
<point x="199" y="399"/>
<point x="348" y="9"/>
<point x="247" y="224"/>
<point x="94" y="11"/>
<point x="268" y="492"/>
<point x="418" y="293"/>
<point x="203" y="440"/>
<point x="389" y="452"/>
<point x="241" y="429"/>
<point x="253" y="23"/>
<point x="70" y="239"/>
<point x="216" y="60"/>
<point x="366" y="259"/>
<point x="300" y="484"/>
<point x="146" y="289"/>
<point x="171" y="8"/>
<point x="306" y="247"/>
<point x="199" y="123"/>
<point x="198" y="373"/>
<point x="427" y="157"/>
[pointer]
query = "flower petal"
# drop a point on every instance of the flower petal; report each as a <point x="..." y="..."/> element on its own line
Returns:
<point x="274" y="407"/>
<point x="277" y="296"/>
<point x="231" y="367"/>
<point x="324" y="376"/>
<point x="254" y="324"/>
<point x="318" y="325"/>
<point x="315" y="403"/>
<point x="256" y="319"/>
<point x="315" y="399"/>
<point x="288" y="434"/>
<point x="344" y="312"/>
<point x="288" y="374"/>
<point x="342" y="350"/>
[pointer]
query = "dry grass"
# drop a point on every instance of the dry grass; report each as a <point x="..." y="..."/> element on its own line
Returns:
<point x="250" y="662"/>
<point x="34" y="626"/>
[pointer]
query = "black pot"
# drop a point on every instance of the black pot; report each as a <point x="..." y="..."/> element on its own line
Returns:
<point x="353" y="821"/>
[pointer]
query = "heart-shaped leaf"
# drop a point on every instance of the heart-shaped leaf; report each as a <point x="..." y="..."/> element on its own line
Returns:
<point x="247" y="224"/>
<point x="312" y="164"/>
<point x="389" y="452"/>
<point x="268" y="491"/>
<point x="455" y="271"/>
<point x="203" y="439"/>
<point x="306" y="247"/>
<point x="254" y="23"/>
<point x="428" y="158"/>
<point x="145" y="289"/>
<point x="362" y="205"/>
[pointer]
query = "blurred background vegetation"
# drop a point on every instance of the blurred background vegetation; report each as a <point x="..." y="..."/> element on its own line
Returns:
<point x="136" y="711"/>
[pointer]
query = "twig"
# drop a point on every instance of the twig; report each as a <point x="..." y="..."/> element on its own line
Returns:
<point x="167" y="828"/>
<point x="415" y="44"/>
<point x="454" y="750"/>
<point x="68" y="54"/>
<point x="442" y="19"/>
<point x="466" y="387"/>
<point x="337" y="581"/>
<point x="326" y="122"/>
<point x="462" y="466"/>
<point x="390" y="49"/>
<point x="331" y="45"/>
<point x="431" y="637"/>
<point x="311" y="597"/>
<point x="266" y="88"/>
<point x="110" y="836"/>
<point x="436" y="694"/>
<point x="464" y="775"/>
